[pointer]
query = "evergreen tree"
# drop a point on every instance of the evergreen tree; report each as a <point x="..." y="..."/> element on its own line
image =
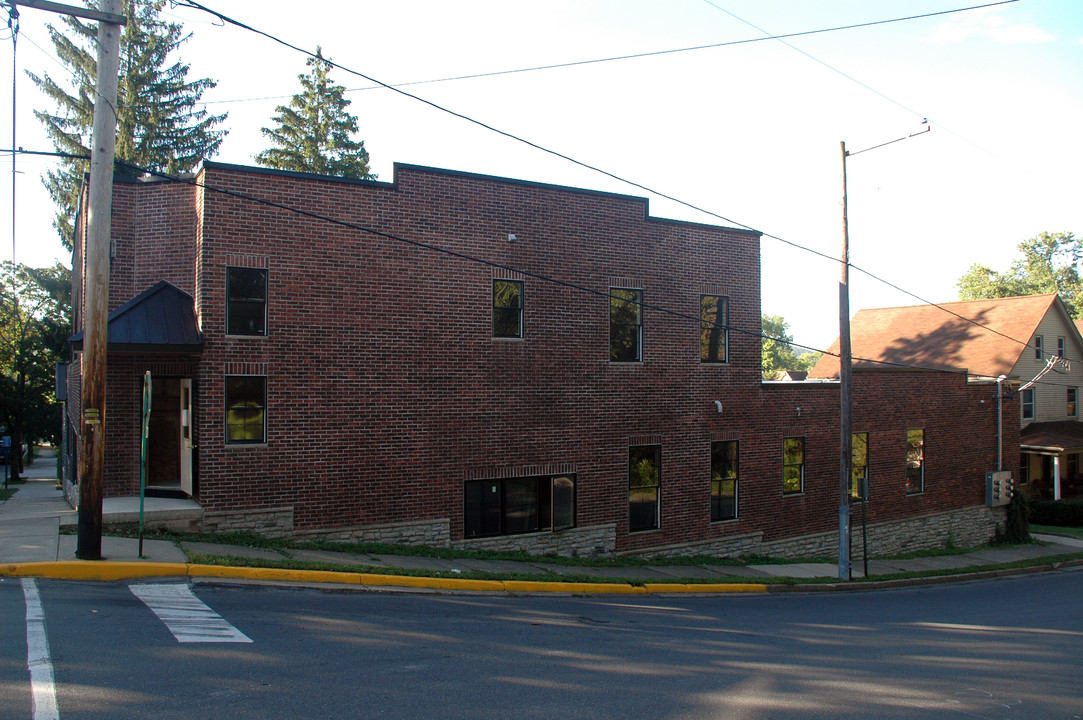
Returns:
<point x="159" y="125"/>
<point x="314" y="132"/>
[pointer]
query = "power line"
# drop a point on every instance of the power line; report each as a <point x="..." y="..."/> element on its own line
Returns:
<point x="606" y="173"/>
<point x="632" y="56"/>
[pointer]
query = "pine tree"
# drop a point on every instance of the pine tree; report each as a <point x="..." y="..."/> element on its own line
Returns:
<point x="314" y="132"/>
<point x="159" y="125"/>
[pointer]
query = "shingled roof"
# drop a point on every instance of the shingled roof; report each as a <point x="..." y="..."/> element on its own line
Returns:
<point x="982" y="337"/>
<point x="160" y="319"/>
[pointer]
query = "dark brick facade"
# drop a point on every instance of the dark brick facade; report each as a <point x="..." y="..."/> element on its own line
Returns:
<point x="386" y="391"/>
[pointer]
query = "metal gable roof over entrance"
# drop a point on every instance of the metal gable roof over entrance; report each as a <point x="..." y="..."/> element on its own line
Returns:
<point x="160" y="319"/>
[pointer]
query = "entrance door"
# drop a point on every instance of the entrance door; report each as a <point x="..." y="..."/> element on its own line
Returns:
<point x="187" y="420"/>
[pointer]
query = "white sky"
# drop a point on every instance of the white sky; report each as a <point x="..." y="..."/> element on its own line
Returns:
<point x="750" y="131"/>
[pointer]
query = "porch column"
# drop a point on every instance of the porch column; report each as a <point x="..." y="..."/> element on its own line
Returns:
<point x="1056" y="477"/>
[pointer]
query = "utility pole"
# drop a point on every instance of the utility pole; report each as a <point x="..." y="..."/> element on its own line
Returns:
<point x="96" y="260"/>
<point x="846" y="457"/>
<point x="845" y="389"/>
<point x="96" y="328"/>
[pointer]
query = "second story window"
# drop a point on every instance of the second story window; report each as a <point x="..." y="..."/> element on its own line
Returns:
<point x="1071" y="402"/>
<point x="508" y="308"/>
<point x="714" y="317"/>
<point x="246" y="301"/>
<point x="1037" y="347"/>
<point x="1028" y="404"/>
<point x="1060" y="347"/>
<point x="625" y="325"/>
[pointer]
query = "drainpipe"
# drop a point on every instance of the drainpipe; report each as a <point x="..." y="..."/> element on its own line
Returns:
<point x="1000" y="422"/>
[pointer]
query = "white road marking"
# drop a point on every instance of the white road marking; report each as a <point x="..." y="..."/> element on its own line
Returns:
<point x="186" y="616"/>
<point x="42" y="685"/>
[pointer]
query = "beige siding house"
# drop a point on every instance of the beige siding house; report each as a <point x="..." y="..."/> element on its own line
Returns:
<point x="1027" y="345"/>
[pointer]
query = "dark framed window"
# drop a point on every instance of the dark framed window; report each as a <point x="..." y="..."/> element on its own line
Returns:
<point x="1027" y="403"/>
<point x="518" y="505"/>
<point x="1024" y="468"/>
<point x="793" y="465"/>
<point x="508" y="308"/>
<point x="1071" y="402"/>
<point x="246" y="409"/>
<point x="1037" y="347"/>
<point x="625" y="325"/>
<point x="915" y="461"/>
<point x="246" y="301"/>
<point x="859" y="469"/>
<point x="714" y="320"/>
<point x="644" y="484"/>
<point x="1060" y="347"/>
<point x="724" y="472"/>
<point x="1073" y="464"/>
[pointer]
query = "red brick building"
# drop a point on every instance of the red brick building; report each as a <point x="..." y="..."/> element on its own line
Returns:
<point x="468" y="360"/>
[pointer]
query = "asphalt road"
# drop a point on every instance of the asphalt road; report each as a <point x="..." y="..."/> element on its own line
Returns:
<point x="1009" y="648"/>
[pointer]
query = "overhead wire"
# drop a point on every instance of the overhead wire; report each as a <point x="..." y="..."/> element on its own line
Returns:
<point x="228" y="20"/>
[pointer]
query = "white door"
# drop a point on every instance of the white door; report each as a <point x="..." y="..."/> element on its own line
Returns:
<point x="187" y="420"/>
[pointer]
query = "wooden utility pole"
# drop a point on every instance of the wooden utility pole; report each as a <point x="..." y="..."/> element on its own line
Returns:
<point x="96" y="279"/>
<point x="95" y="326"/>
<point x="845" y="389"/>
<point x="846" y="439"/>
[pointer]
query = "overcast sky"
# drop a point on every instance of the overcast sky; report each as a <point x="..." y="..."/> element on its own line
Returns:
<point x="749" y="131"/>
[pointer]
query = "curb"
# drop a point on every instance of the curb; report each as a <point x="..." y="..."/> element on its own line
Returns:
<point x="119" y="570"/>
<point x="95" y="570"/>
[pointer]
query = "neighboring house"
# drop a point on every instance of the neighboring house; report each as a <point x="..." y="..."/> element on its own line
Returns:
<point x="791" y="375"/>
<point x="1031" y="342"/>
<point x="463" y="360"/>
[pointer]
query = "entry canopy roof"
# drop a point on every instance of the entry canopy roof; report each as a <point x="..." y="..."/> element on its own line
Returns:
<point x="160" y="319"/>
<point x="1052" y="437"/>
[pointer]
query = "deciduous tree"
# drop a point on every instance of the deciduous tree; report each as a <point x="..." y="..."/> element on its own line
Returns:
<point x="1050" y="263"/>
<point x="35" y="305"/>
<point x="778" y="349"/>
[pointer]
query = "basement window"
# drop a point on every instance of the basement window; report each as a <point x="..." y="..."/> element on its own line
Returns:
<point x="511" y="506"/>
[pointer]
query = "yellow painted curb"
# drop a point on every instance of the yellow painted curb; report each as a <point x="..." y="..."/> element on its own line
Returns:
<point x="711" y="588"/>
<point x="94" y="570"/>
<point x="99" y="570"/>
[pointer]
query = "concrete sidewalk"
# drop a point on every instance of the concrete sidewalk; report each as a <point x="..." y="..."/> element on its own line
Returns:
<point x="30" y="525"/>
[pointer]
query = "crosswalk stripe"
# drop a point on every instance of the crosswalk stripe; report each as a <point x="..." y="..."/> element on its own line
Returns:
<point x="186" y="616"/>
<point x="38" y="659"/>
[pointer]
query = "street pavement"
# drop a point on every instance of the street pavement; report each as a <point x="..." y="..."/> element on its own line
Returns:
<point x="32" y="543"/>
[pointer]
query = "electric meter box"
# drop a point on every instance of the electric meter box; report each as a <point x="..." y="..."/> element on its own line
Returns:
<point x="998" y="488"/>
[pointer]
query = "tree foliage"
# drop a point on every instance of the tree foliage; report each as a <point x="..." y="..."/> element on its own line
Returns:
<point x="35" y="304"/>
<point x="778" y="350"/>
<point x="314" y="133"/>
<point x="160" y="125"/>
<point x="1050" y="263"/>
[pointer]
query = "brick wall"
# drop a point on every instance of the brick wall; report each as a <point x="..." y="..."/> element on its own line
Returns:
<point x="386" y="391"/>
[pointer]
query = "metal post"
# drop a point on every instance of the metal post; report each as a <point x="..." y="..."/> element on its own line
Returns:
<point x="99" y="217"/>
<point x="845" y="389"/>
